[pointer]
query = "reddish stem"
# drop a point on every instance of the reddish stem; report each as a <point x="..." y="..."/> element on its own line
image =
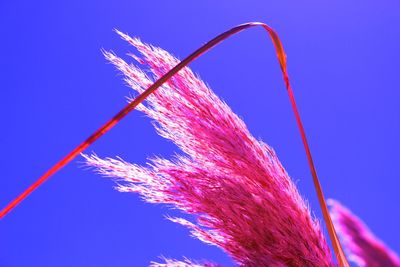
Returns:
<point x="341" y="259"/>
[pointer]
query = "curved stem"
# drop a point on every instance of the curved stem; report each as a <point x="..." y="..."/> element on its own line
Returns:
<point x="132" y="105"/>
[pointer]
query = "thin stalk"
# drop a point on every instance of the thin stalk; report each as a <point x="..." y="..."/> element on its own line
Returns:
<point x="341" y="259"/>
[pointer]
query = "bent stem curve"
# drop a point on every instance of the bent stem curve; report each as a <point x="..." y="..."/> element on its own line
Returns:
<point x="134" y="103"/>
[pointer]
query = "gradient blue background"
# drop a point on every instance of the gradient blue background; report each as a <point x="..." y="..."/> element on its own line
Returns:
<point x="56" y="89"/>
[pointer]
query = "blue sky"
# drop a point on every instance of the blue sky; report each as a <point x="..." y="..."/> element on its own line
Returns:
<point x="57" y="89"/>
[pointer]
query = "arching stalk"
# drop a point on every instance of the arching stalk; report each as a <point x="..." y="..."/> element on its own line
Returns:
<point x="132" y="105"/>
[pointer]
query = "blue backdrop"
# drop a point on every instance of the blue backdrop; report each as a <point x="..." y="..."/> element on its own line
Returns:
<point x="57" y="89"/>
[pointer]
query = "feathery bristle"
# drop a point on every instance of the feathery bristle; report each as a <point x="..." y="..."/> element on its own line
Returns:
<point x="362" y="247"/>
<point x="242" y="198"/>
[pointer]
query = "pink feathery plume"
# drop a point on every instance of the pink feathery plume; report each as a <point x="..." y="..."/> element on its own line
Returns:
<point x="186" y="263"/>
<point x="362" y="247"/>
<point x="242" y="199"/>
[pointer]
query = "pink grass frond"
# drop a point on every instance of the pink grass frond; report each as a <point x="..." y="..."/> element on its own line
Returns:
<point x="242" y="199"/>
<point x="362" y="247"/>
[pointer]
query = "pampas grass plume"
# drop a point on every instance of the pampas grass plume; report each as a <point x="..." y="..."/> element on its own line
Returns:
<point x="242" y="199"/>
